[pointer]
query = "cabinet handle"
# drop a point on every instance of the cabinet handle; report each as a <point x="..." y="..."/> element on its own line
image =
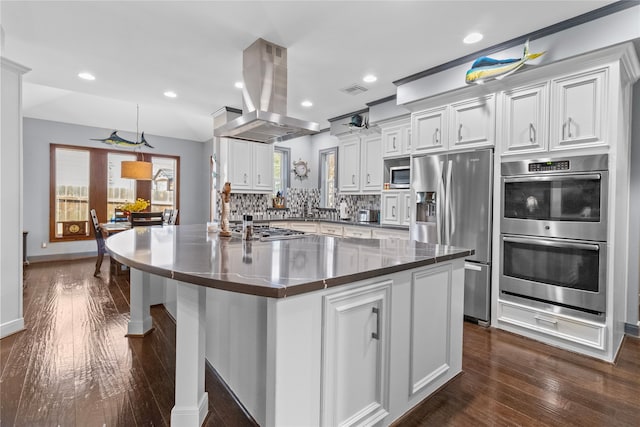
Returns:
<point x="258" y="178"/>
<point x="245" y="178"/>
<point x="394" y="142"/>
<point x="460" y="132"/>
<point x="532" y="133"/>
<point x="569" y="127"/>
<point x="376" y="335"/>
<point x="353" y="179"/>
<point x="393" y="211"/>
<point x="368" y="178"/>
<point x="436" y="138"/>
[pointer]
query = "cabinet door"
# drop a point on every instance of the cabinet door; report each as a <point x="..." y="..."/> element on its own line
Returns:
<point x="371" y="178"/>
<point x="392" y="141"/>
<point x="577" y="109"/>
<point x="473" y="123"/>
<point x="263" y="167"/>
<point x="390" y="211"/>
<point x="349" y="165"/>
<point x="355" y="364"/>
<point x="429" y="130"/>
<point x="239" y="164"/>
<point x="405" y="201"/>
<point x="524" y="124"/>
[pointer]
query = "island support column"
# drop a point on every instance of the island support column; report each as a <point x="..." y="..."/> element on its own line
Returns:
<point x="192" y="402"/>
<point x="140" y="322"/>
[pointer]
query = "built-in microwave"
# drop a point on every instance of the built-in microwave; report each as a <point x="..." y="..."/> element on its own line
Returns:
<point x="400" y="177"/>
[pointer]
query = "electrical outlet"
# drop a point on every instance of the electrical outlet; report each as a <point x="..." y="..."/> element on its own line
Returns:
<point x="44" y="244"/>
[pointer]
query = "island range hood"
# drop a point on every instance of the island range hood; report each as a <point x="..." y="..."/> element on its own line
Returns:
<point x="264" y="99"/>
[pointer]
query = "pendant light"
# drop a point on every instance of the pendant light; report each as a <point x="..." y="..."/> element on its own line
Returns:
<point x="138" y="170"/>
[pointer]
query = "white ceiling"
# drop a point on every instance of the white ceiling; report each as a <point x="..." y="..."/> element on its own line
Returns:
<point x="139" y="49"/>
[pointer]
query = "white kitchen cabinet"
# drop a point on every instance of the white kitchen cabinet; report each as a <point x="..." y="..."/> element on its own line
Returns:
<point x="263" y="167"/>
<point x="577" y="109"/>
<point x="396" y="138"/>
<point x="360" y="165"/>
<point x="248" y="166"/>
<point x="524" y="119"/>
<point x="355" y="355"/>
<point x="304" y="226"/>
<point x="472" y="123"/>
<point x="349" y="164"/>
<point x="430" y="130"/>
<point x="396" y="209"/>
<point x="406" y="208"/>
<point x="371" y="173"/>
<point x="464" y="124"/>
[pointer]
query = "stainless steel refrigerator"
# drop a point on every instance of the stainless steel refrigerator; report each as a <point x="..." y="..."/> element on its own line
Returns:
<point x="452" y="206"/>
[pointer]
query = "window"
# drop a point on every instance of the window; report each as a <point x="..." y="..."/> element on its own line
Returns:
<point x="280" y="169"/>
<point x="89" y="178"/>
<point x="328" y="177"/>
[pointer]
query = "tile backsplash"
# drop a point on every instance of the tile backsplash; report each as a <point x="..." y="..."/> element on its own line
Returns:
<point x="297" y="199"/>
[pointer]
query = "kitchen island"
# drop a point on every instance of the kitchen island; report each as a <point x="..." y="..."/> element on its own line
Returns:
<point x="317" y="330"/>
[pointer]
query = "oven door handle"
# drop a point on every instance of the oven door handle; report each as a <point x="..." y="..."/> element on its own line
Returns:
<point x="568" y="177"/>
<point x="554" y="243"/>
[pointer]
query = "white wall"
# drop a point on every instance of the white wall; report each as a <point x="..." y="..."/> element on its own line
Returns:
<point x="39" y="134"/>
<point x="301" y="149"/>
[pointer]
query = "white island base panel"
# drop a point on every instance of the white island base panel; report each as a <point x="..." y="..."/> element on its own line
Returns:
<point x="355" y="354"/>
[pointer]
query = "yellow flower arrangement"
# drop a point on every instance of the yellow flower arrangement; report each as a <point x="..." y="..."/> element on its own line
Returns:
<point x="138" y="206"/>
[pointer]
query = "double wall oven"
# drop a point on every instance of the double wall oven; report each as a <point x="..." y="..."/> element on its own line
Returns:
<point x="553" y="234"/>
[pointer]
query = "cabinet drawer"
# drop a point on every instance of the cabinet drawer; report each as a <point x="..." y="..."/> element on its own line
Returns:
<point x="381" y="233"/>
<point x="331" y="229"/>
<point x="358" y="232"/>
<point x="568" y="328"/>
<point x="307" y="227"/>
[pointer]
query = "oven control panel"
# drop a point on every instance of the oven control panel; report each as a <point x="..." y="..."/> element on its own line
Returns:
<point x="561" y="165"/>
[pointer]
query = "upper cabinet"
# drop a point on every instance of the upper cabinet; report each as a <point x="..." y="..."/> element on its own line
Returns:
<point x="248" y="166"/>
<point x="561" y="114"/>
<point x="464" y="124"/>
<point x="360" y="164"/>
<point x="396" y="138"/>
<point x="524" y="119"/>
<point x="577" y="109"/>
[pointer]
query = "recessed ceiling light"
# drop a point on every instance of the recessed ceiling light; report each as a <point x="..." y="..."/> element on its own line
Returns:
<point x="170" y="94"/>
<point x="369" y="78"/>
<point x="473" y="38"/>
<point x="86" y="76"/>
<point x="306" y="103"/>
<point x="239" y="85"/>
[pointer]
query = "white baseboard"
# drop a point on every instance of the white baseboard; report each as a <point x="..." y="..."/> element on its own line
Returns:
<point x="11" y="327"/>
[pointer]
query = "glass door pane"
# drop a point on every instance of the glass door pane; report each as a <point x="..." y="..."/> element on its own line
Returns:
<point x="119" y="190"/>
<point x="72" y="188"/>
<point x="163" y="184"/>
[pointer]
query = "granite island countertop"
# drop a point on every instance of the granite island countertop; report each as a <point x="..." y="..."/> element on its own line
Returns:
<point x="274" y="269"/>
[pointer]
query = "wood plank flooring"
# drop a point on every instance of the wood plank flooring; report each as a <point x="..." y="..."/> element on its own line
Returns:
<point x="73" y="366"/>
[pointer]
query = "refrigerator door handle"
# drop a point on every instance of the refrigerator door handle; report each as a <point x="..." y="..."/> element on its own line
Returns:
<point x="440" y="202"/>
<point x="451" y="226"/>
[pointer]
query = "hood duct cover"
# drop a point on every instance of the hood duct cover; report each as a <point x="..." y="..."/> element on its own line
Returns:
<point x="264" y="99"/>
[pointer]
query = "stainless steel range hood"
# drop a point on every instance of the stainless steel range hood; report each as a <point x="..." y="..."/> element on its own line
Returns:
<point x="264" y="99"/>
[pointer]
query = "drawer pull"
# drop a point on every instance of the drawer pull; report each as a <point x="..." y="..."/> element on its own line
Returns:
<point x="546" y="319"/>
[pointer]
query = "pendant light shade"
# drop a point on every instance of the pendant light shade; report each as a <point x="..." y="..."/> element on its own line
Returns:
<point x="141" y="171"/>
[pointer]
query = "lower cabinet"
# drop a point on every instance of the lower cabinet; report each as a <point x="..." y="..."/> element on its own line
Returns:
<point x="355" y="362"/>
<point x="396" y="208"/>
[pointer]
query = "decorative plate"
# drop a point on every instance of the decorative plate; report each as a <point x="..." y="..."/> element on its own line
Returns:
<point x="300" y="169"/>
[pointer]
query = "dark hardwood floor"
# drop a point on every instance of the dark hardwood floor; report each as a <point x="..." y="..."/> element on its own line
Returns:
<point x="73" y="366"/>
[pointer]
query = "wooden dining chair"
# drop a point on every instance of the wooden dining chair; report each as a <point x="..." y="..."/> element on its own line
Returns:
<point x="174" y="217"/>
<point x="143" y="219"/>
<point x="114" y="266"/>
